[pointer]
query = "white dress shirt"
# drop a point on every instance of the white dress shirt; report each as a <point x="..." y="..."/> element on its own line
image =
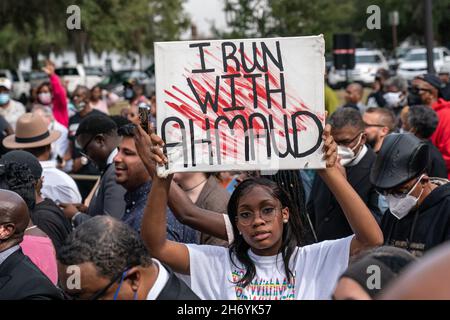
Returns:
<point x="161" y="281"/>
<point x="58" y="185"/>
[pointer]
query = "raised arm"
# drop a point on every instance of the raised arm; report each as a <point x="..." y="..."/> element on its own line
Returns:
<point x="59" y="101"/>
<point x="188" y="213"/>
<point x="154" y="222"/>
<point x="366" y="229"/>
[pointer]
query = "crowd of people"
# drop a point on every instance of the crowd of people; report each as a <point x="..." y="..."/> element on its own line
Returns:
<point x="380" y="205"/>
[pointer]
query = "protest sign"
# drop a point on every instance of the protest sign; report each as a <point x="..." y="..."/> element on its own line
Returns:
<point x="253" y="104"/>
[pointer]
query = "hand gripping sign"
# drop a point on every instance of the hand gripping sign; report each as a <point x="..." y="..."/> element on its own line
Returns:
<point x="253" y="104"/>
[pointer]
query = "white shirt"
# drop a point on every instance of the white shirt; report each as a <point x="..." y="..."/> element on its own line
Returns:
<point x="316" y="270"/>
<point x="359" y="157"/>
<point x="58" y="185"/>
<point x="12" y="112"/>
<point x="160" y="283"/>
<point x="111" y="156"/>
<point x="60" y="146"/>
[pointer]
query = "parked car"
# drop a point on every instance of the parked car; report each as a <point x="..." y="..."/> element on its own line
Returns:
<point x="367" y="62"/>
<point x="78" y="75"/>
<point x="415" y="61"/>
<point x="36" y="77"/>
<point x="114" y="81"/>
<point x="20" y="87"/>
<point x="398" y="56"/>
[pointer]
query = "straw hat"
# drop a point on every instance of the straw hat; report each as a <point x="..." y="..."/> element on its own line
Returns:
<point x="31" y="132"/>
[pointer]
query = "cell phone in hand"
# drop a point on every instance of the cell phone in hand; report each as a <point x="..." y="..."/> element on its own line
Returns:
<point x="144" y="116"/>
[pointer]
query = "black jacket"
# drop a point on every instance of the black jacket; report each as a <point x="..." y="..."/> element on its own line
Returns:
<point x="50" y="219"/>
<point x="21" y="279"/>
<point x="421" y="229"/>
<point x="329" y="220"/>
<point x="436" y="163"/>
<point x="176" y="289"/>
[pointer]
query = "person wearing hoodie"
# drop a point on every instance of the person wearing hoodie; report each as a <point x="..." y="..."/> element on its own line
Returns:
<point x="418" y="218"/>
<point x="428" y="87"/>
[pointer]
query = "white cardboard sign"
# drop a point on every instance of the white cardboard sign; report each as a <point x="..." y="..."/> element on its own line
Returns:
<point x="253" y="104"/>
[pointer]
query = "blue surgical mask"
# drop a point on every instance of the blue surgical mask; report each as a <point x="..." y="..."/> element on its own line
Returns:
<point x="4" y="98"/>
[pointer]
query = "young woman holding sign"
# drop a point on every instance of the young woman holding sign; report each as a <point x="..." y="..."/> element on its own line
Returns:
<point x="264" y="261"/>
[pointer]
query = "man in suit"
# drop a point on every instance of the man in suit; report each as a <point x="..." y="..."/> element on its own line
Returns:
<point x="113" y="264"/>
<point x="356" y="161"/>
<point x="19" y="277"/>
<point x="98" y="140"/>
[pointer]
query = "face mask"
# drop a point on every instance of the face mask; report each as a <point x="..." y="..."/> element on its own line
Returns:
<point x="45" y="98"/>
<point x="80" y="106"/>
<point x="393" y="99"/>
<point x="347" y="154"/>
<point x="4" y="98"/>
<point x="400" y="207"/>
<point x="128" y="94"/>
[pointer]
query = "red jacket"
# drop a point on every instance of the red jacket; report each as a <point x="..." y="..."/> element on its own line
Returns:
<point x="441" y="137"/>
<point x="59" y="101"/>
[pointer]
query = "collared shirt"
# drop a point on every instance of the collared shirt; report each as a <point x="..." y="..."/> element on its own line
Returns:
<point x="359" y="157"/>
<point x="58" y="185"/>
<point x="161" y="281"/>
<point x="5" y="254"/>
<point x="134" y="211"/>
<point x="111" y="156"/>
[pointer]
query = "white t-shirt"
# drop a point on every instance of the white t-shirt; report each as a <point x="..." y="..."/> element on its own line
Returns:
<point x="316" y="270"/>
<point x="58" y="185"/>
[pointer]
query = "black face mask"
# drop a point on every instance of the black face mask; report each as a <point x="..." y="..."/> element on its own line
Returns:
<point x="413" y="97"/>
<point x="371" y="142"/>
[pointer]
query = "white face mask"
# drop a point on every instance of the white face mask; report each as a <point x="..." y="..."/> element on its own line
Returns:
<point x="400" y="207"/>
<point x="393" y="99"/>
<point x="346" y="154"/>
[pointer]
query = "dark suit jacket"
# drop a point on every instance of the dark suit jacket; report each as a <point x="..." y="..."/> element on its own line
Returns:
<point x="107" y="200"/>
<point x="176" y="289"/>
<point x="21" y="279"/>
<point x="329" y="219"/>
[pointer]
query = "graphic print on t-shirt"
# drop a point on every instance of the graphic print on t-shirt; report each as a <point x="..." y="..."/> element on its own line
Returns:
<point x="273" y="288"/>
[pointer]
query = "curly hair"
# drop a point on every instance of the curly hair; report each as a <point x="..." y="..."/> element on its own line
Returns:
<point x="111" y="245"/>
<point x="18" y="178"/>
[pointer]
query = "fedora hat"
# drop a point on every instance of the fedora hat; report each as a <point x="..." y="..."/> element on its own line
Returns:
<point x="31" y="132"/>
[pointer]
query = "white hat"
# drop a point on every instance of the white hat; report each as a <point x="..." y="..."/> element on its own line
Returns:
<point x="5" y="82"/>
<point x="445" y="68"/>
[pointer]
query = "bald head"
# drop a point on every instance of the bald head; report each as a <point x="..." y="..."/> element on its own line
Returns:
<point x="354" y="93"/>
<point x="14" y="217"/>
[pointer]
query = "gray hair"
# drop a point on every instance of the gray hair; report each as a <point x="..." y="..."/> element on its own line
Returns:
<point x="111" y="245"/>
<point x="399" y="82"/>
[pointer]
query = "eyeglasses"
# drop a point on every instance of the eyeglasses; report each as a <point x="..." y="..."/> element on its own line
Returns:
<point x="100" y="293"/>
<point x="400" y="192"/>
<point x="349" y="142"/>
<point x="418" y="89"/>
<point x="374" y="125"/>
<point x="83" y="150"/>
<point x="267" y="214"/>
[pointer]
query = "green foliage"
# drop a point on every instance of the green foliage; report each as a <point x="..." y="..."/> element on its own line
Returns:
<point x="262" y="18"/>
<point x="29" y="28"/>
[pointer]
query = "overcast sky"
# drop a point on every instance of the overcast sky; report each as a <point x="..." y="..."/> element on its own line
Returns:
<point x="203" y="13"/>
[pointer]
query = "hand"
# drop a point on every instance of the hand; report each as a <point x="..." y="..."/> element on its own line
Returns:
<point x="70" y="209"/>
<point x="329" y="147"/>
<point x="49" y="68"/>
<point x="148" y="148"/>
<point x="340" y="167"/>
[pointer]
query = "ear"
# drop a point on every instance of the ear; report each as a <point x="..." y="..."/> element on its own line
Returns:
<point x="363" y="138"/>
<point x="100" y="139"/>
<point x="133" y="277"/>
<point x="7" y="230"/>
<point x="385" y="131"/>
<point x="285" y="214"/>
